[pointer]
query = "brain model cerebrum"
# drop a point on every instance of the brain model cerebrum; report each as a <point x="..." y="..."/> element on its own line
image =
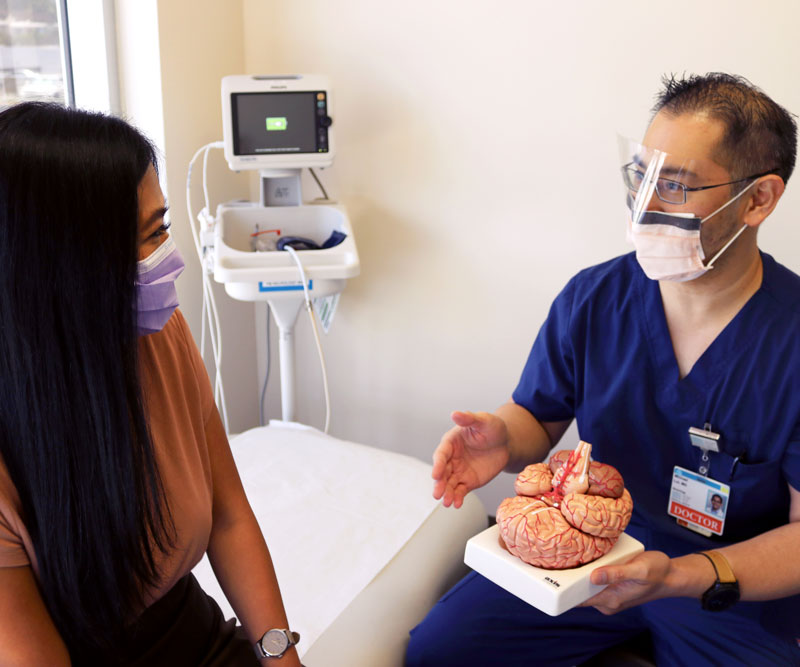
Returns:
<point x="567" y="513"/>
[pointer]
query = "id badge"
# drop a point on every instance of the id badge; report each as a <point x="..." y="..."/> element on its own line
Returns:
<point x="697" y="502"/>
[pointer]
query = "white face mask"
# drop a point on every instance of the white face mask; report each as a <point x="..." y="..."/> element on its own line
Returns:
<point x="668" y="245"/>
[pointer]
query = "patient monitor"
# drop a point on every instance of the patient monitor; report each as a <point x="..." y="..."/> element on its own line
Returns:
<point x="280" y="125"/>
<point x="271" y="122"/>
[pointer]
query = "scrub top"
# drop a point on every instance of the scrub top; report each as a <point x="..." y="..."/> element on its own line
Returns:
<point x="604" y="357"/>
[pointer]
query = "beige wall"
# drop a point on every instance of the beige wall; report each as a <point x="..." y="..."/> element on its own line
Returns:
<point x="172" y="55"/>
<point x="478" y="162"/>
<point x="477" y="159"/>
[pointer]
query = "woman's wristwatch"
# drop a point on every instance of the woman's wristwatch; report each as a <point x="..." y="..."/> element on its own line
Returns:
<point x="724" y="592"/>
<point x="276" y="642"/>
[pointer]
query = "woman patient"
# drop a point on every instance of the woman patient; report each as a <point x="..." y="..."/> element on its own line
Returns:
<point x="115" y="472"/>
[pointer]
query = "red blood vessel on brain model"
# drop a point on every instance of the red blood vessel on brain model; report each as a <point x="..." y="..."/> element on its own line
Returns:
<point x="567" y="513"/>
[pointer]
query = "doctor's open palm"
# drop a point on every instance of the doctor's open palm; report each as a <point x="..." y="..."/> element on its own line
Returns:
<point x="469" y="455"/>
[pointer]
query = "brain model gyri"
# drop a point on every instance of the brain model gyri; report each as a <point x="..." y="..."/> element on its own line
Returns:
<point x="567" y="513"/>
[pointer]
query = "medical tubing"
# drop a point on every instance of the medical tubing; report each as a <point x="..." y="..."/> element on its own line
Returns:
<point x="206" y="311"/>
<point x="209" y="309"/>
<point x="216" y="345"/>
<point x="205" y="179"/>
<point x="266" y="377"/>
<point x="310" y="310"/>
<point x="216" y="340"/>
<point x="198" y="249"/>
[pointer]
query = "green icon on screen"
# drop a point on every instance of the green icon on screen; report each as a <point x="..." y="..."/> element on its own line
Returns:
<point x="278" y="123"/>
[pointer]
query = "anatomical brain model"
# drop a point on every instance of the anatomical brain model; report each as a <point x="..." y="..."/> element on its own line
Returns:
<point x="567" y="513"/>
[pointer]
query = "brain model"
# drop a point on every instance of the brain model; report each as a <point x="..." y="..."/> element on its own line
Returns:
<point x="567" y="513"/>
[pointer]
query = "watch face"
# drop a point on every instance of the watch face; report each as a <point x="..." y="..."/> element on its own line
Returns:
<point x="721" y="597"/>
<point x="274" y="643"/>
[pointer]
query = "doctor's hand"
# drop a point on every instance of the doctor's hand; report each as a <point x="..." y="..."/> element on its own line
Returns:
<point x="469" y="455"/>
<point x="640" y="580"/>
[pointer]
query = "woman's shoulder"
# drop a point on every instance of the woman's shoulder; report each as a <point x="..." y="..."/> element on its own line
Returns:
<point x="14" y="539"/>
<point x="171" y="358"/>
<point x="174" y="340"/>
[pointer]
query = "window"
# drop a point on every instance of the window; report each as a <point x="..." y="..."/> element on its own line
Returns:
<point x="34" y="52"/>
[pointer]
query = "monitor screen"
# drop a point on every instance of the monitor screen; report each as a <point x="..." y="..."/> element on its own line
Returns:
<point x="279" y="123"/>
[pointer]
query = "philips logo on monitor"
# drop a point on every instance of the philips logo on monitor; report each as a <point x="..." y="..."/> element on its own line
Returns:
<point x="278" y="123"/>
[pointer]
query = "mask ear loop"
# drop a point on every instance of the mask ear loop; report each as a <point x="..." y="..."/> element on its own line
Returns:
<point x="710" y="264"/>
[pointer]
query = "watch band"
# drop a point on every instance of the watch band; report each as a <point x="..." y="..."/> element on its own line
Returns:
<point x="722" y="568"/>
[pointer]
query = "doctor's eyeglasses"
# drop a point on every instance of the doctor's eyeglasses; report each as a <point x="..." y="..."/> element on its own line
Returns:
<point x="669" y="191"/>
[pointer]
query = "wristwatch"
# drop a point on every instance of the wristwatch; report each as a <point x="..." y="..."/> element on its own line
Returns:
<point x="724" y="592"/>
<point x="276" y="642"/>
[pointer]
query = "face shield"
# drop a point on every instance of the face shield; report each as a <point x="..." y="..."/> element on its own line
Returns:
<point x="661" y="224"/>
<point x="661" y="181"/>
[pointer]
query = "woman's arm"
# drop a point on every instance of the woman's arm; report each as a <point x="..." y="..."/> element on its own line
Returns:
<point x="27" y="634"/>
<point x="237" y="551"/>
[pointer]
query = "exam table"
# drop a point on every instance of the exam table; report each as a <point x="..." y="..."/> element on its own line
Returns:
<point x="361" y="549"/>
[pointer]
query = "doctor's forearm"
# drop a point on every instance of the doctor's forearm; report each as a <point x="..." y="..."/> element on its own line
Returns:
<point x="765" y="566"/>
<point x="529" y="440"/>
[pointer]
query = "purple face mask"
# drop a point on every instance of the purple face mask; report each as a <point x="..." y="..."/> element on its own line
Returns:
<point x="156" y="298"/>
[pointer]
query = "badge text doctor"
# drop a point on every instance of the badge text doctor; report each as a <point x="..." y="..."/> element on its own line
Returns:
<point x="696" y="501"/>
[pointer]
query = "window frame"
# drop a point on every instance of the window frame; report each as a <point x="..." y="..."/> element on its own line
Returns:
<point x="90" y="54"/>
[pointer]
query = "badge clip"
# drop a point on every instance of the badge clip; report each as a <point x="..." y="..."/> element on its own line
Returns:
<point x="704" y="438"/>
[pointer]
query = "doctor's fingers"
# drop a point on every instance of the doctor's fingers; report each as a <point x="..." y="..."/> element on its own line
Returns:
<point x="442" y="455"/>
<point x="454" y="494"/>
<point x="649" y="567"/>
<point x="443" y="475"/>
<point x="440" y="483"/>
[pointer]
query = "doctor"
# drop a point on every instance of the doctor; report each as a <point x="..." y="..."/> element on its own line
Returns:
<point x="716" y="505"/>
<point x="697" y="328"/>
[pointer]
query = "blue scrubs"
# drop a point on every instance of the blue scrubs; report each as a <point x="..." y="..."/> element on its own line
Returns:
<point x="604" y="357"/>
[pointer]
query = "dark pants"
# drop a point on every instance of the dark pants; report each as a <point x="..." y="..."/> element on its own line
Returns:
<point x="185" y="628"/>
<point x="478" y="623"/>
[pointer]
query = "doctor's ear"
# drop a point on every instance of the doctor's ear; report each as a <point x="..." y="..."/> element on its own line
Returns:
<point x="766" y="193"/>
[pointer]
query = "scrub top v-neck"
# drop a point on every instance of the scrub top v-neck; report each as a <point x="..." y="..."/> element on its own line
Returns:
<point x="604" y="356"/>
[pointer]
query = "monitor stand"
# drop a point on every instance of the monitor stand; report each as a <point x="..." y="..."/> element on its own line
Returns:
<point x="280" y="187"/>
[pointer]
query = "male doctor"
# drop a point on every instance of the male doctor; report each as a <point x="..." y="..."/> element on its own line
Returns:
<point x="698" y="329"/>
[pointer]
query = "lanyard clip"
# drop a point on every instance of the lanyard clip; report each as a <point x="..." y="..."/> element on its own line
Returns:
<point x="707" y="441"/>
<point x="704" y="438"/>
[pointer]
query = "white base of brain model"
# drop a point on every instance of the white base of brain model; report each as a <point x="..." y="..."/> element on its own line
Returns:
<point x="567" y="513"/>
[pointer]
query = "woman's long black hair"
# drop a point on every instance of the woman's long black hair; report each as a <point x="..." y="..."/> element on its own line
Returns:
<point x="73" y="430"/>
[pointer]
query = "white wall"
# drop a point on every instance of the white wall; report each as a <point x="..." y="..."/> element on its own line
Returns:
<point x="172" y="55"/>
<point x="477" y="160"/>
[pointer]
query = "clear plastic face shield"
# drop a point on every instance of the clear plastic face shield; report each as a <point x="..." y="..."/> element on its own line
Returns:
<point x="661" y="224"/>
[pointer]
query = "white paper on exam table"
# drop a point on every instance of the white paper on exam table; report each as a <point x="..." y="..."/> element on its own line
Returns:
<point x="550" y="591"/>
<point x="323" y="562"/>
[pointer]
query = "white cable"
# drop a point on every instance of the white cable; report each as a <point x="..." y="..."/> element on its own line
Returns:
<point x="216" y="345"/>
<point x="310" y="310"/>
<point x="266" y="376"/>
<point x="209" y="309"/>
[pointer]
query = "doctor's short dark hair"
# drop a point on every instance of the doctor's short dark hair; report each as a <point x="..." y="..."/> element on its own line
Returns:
<point x="760" y="135"/>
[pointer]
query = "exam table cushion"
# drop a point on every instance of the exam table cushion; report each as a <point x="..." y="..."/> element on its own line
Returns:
<point x="336" y="514"/>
